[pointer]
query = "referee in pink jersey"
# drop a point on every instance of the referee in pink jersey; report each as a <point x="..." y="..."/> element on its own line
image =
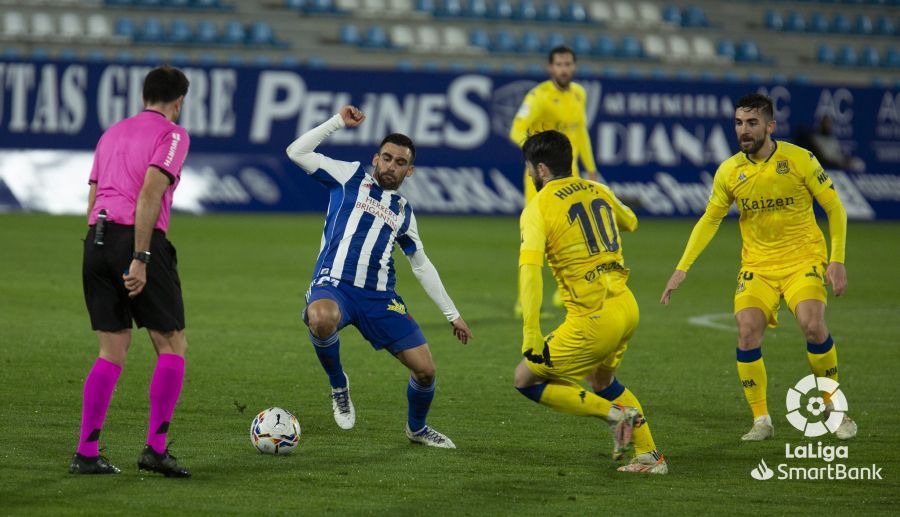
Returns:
<point x="130" y="269"/>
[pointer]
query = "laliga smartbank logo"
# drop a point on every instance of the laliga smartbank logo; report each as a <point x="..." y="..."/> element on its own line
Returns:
<point x="810" y="387"/>
<point x="808" y="413"/>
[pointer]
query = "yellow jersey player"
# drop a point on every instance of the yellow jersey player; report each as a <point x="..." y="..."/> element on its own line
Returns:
<point x="560" y="104"/>
<point x="784" y="254"/>
<point x="576" y="224"/>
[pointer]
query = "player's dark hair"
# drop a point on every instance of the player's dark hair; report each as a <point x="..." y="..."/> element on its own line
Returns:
<point x="551" y="148"/>
<point x="759" y="102"/>
<point x="561" y="49"/>
<point x="403" y="141"/>
<point x="164" y="84"/>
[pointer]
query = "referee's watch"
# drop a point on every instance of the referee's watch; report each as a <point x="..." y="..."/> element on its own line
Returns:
<point x="143" y="256"/>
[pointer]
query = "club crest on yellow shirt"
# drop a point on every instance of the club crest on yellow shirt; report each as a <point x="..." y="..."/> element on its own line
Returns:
<point x="396" y="306"/>
<point x="782" y="167"/>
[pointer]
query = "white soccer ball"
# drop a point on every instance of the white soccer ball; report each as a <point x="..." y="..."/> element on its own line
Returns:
<point x="275" y="431"/>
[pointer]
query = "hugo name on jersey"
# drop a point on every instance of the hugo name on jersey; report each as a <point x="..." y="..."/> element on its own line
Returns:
<point x="576" y="223"/>
<point x="362" y="225"/>
<point x="775" y="201"/>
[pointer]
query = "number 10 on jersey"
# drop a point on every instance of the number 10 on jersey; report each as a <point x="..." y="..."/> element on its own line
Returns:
<point x="603" y="221"/>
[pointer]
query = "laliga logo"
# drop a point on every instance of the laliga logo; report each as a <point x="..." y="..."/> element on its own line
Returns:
<point x="815" y="405"/>
<point x="762" y="472"/>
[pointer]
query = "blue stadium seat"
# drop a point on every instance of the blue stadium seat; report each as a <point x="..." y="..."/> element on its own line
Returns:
<point x="526" y="11"/>
<point x="508" y="69"/>
<point x="124" y="56"/>
<point x="575" y="12"/>
<point x="208" y="59"/>
<point x="476" y="9"/>
<point x="500" y="10"/>
<point x="864" y="25"/>
<point x="206" y="4"/>
<point x="349" y="34"/>
<point x="261" y="60"/>
<point x="551" y="12"/>
<point x="672" y="15"/>
<point x="39" y="53"/>
<point x="152" y="31"/>
<point x="747" y="52"/>
<point x="404" y="65"/>
<point x="205" y="32"/>
<point x="554" y="39"/>
<point x="126" y="28"/>
<point x="290" y="62"/>
<point x="891" y="58"/>
<point x="233" y="33"/>
<point x="630" y="48"/>
<point x="535" y="69"/>
<point x="503" y="41"/>
<point x="779" y="78"/>
<point x="180" y="32"/>
<point x="795" y="22"/>
<point x="179" y="59"/>
<point x="529" y="42"/>
<point x="870" y="57"/>
<point x="825" y="54"/>
<point x="147" y="4"/>
<point x="316" y="62"/>
<point x="774" y="20"/>
<point x="294" y="5"/>
<point x="448" y="8"/>
<point x="235" y="60"/>
<point x="67" y="54"/>
<point x="604" y="47"/>
<point x="177" y="4"/>
<point x="96" y="55"/>
<point x="261" y="33"/>
<point x="840" y="24"/>
<point x="425" y="6"/>
<point x="375" y="37"/>
<point x="693" y="16"/>
<point x="818" y="23"/>
<point x="885" y="26"/>
<point x="479" y="38"/>
<point x="581" y="44"/>
<point x="725" y="48"/>
<point x="319" y="6"/>
<point x="846" y="56"/>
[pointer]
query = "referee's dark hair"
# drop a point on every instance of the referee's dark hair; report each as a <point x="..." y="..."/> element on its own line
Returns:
<point x="403" y="141"/>
<point x="757" y="101"/>
<point x="561" y="49"/>
<point x="551" y="148"/>
<point x="164" y="84"/>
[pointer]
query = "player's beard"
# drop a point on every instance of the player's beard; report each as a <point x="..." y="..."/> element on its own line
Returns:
<point x="538" y="183"/>
<point x="562" y="82"/>
<point x="386" y="181"/>
<point x="754" y="148"/>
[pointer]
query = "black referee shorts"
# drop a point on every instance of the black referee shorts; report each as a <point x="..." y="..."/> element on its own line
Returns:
<point x="158" y="307"/>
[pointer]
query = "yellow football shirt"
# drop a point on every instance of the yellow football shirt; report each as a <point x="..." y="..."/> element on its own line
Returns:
<point x="576" y="223"/>
<point x="775" y="201"/>
<point x="547" y="107"/>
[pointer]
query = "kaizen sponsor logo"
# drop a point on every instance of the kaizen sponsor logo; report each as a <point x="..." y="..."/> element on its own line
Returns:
<point x="173" y="147"/>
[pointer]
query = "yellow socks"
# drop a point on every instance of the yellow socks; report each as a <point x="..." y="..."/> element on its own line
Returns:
<point x="752" y="372"/>
<point x="823" y="361"/>
<point x="619" y="394"/>
<point x="570" y="397"/>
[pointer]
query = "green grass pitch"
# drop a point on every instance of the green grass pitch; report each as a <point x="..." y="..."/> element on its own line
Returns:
<point x="244" y="279"/>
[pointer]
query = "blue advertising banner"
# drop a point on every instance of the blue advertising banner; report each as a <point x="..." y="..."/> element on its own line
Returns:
<point x="657" y="143"/>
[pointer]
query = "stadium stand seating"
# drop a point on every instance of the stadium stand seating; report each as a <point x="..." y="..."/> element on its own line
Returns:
<point x="844" y="40"/>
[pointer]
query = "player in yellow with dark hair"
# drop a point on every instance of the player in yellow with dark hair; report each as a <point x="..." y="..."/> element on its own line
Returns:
<point x="576" y="224"/>
<point x="559" y="104"/>
<point x="784" y="254"/>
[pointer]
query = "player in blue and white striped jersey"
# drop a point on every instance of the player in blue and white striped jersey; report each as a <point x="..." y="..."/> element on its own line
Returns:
<point x="353" y="281"/>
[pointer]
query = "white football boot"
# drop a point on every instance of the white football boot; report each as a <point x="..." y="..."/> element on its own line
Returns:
<point x="762" y="430"/>
<point x="430" y="437"/>
<point x="848" y="427"/>
<point x="647" y="463"/>
<point x="342" y="406"/>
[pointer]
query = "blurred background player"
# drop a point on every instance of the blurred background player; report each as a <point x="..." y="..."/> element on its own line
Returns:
<point x="353" y="279"/>
<point x="784" y="253"/>
<point x="137" y="166"/>
<point x="558" y="104"/>
<point x="576" y="224"/>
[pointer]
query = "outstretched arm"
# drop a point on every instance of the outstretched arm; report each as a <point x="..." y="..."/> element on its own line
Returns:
<point x="703" y="232"/>
<point x="302" y="150"/>
<point x="427" y="275"/>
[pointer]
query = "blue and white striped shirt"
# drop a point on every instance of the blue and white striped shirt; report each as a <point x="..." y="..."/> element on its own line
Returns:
<point x="362" y="225"/>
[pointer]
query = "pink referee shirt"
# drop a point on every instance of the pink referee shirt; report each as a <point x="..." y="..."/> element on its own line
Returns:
<point x="124" y="153"/>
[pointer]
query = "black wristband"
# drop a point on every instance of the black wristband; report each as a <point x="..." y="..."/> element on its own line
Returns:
<point x="143" y="256"/>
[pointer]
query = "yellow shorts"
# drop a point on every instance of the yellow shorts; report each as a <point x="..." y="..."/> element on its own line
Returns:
<point x="583" y="343"/>
<point x="765" y="289"/>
